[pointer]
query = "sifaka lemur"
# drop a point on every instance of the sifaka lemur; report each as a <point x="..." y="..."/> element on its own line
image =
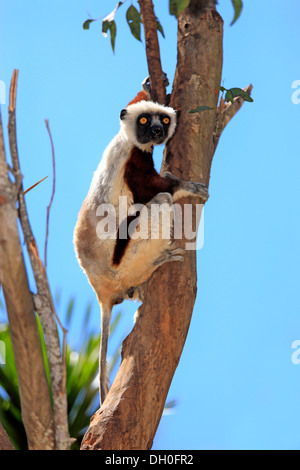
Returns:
<point x="117" y="265"/>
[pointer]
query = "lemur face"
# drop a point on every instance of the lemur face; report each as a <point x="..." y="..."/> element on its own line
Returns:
<point x="152" y="128"/>
<point x="146" y="124"/>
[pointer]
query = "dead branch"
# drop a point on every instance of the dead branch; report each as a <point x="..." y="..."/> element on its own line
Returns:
<point x="43" y="300"/>
<point x="34" y="393"/>
<point x="52" y="194"/>
<point x="34" y="185"/>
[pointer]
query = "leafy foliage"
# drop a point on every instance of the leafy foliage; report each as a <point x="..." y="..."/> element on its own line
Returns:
<point x="133" y="18"/>
<point x="177" y="6"/>
<point x="82" y="380"/>
<point x="230" y="94"/>
<point x="235" y="93"/>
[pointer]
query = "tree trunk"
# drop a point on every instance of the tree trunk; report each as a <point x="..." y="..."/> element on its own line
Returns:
<point x="129" y="417"/>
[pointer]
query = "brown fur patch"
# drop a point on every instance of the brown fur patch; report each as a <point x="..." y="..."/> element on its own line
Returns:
<point x="141" y="96"/>
<point x="144" y="182"/>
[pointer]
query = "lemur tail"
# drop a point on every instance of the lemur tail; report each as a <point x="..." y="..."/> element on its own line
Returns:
<point x="103" y="378"/>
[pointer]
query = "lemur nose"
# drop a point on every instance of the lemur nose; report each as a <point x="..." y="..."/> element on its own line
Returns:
<point x="157" y="130"/>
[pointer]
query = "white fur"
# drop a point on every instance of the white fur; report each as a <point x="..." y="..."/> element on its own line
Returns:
<point x="95" y="255"/>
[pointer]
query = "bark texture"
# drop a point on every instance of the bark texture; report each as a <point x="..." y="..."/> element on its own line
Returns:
<point x="129" y="417"/>
<point x="5" y="443"/>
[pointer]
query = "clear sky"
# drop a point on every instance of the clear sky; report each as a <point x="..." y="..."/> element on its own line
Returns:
<point x="236" y="385"/>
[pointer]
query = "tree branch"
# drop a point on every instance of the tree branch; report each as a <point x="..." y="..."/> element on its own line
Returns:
<point x="34" y="393"/>
<point x="43" y="301"/>
<point x="225" y="113"/>
<point x="158" y="89"/>
<point x="52" y="194"/>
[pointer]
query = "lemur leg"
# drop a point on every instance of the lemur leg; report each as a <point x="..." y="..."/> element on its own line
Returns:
<point x="170" y="254"/>
<point x="150" y="245"/>
<point x="186" y="188"/>
<point x="147" y="87"/>
<point x="103" y="376"/>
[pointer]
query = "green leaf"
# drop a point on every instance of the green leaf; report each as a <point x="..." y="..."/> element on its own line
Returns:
<point x="177" y="6"/>
<point x="199" y="109"/>
<point x="133" y="18"/>
<point x="70" y="310"/>
<point x="160" y="28"/>
<point x="236" y="92"/>
<point x="86" y="24"/>
<point x="108" y="23"/>
<point x="229" y="96"/>
<point x="237" y="5"/>
<point x="105" y="27"/>
<point x="113" y="33"/>
<point x="112" y="28"/>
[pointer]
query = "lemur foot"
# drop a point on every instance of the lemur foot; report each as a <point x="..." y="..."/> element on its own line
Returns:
<point x="136" y="293"/>
<point x="198" y="189"/>
<point x="146" y="83"/>
<point x="170" y="254"/>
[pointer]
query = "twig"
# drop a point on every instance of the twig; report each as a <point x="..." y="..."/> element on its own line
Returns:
<point x="225" y="113"/>
<point x="53" y="192"/>
<point x="64" y="330"/>
<point x="46" y="310"/>
<point x="158" y="89"/>
<point x="37" y="414"/>
<point x="34" y="185"/>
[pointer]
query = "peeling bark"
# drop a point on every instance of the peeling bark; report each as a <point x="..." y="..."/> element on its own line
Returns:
<point x="5" y="443"/>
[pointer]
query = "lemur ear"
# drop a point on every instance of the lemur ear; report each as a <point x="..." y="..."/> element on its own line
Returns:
<point x="123" y="114"/>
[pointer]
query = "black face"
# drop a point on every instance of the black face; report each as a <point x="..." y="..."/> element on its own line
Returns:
<point x="152" y="128"/>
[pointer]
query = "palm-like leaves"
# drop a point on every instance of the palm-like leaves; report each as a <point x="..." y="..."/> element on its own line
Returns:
<point x="82" y="381"/>
<point x="82" y="378"/>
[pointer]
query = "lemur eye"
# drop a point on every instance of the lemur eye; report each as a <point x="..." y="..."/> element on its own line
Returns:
<point x="143" y="120"/>
<point x="166" y="120"/>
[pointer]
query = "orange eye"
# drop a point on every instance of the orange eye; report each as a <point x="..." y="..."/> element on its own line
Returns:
<point x="166" y="120"/>
<point x="143" y="120"/>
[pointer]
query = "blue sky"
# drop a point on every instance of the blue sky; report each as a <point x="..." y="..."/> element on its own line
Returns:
<point x="236" y="385"/>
